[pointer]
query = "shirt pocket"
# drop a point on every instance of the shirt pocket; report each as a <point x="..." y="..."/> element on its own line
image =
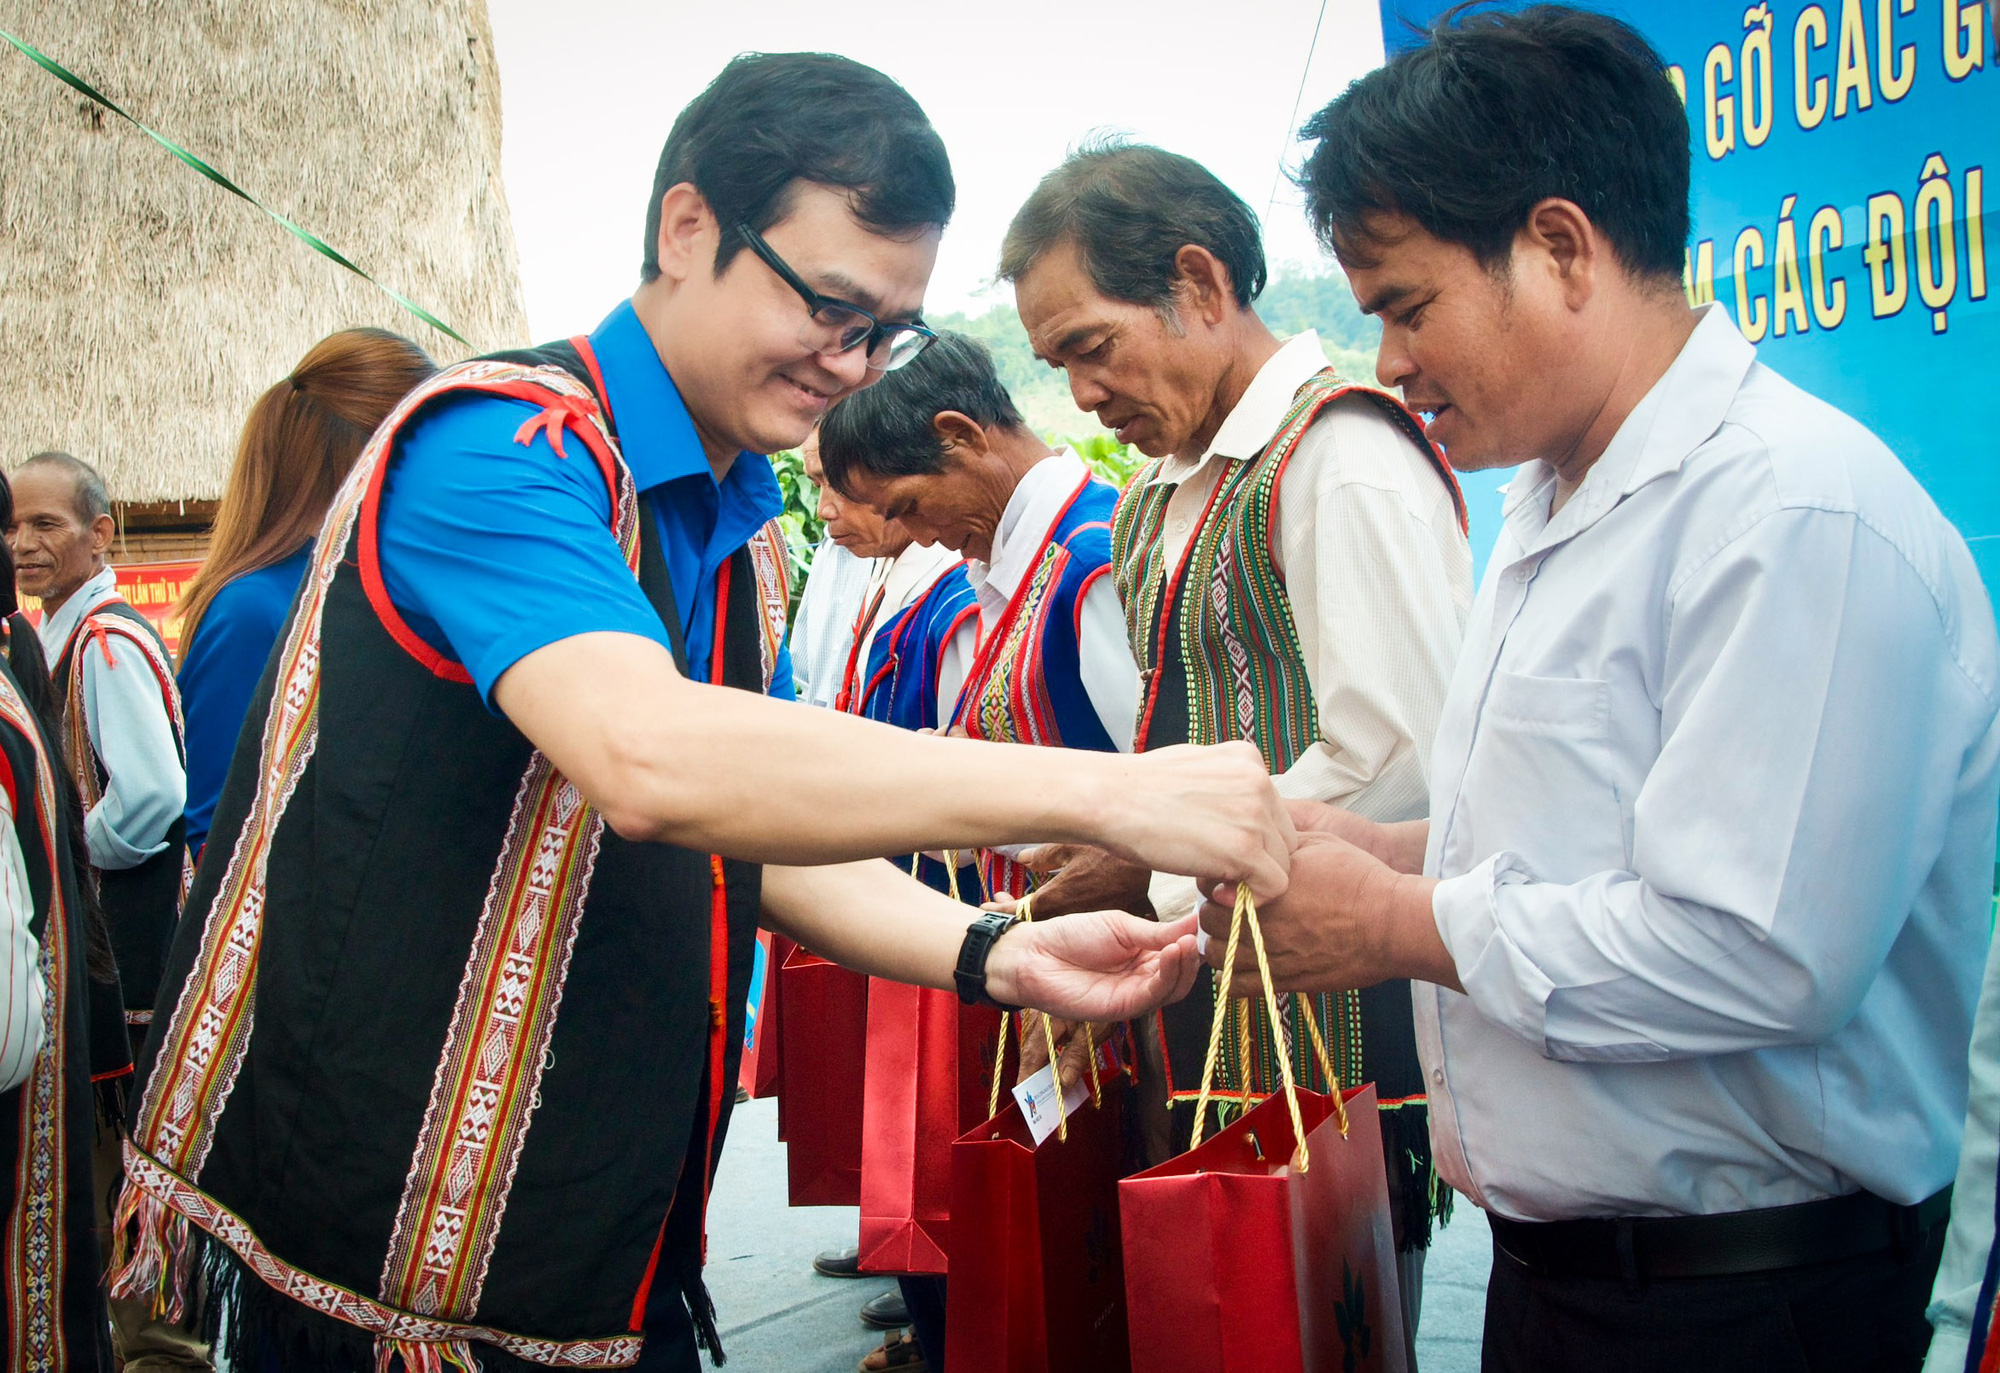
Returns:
<point x="1544" y="768"/>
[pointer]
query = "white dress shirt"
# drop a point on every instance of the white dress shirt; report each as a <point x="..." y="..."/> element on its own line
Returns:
<point x="1380" y="579"/>
<point x="20" y="960"/>
<point x="1714" y="806"/>
<point x="823" y="630"/>
<point x="1104" y="648"/>
<point x="1962" y="1271"/>
<point x="127" y="719"/>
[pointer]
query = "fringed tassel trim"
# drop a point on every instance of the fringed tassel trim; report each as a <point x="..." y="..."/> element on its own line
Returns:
<point x="701" y="1311"/>
<point x="110" y="1098"/>
<point x="150" y="1254"/>
<point x="424" y="1356"/>
<point x="1419" y="1194"/>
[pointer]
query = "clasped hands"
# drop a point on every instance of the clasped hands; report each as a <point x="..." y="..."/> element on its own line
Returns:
<point x="1355" y="911"/>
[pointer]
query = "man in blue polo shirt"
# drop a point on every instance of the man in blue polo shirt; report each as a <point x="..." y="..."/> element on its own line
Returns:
<point x="458" y="997"/>
<point x="537" y="565"/>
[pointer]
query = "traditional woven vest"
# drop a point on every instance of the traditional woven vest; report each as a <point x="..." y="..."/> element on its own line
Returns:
<point x="1026" y="684"/>
<point x="443" y="1065"/>
<point x="49" y="1265"/>
<point x="1223" y="662"/>
<point x="142" y="905"/>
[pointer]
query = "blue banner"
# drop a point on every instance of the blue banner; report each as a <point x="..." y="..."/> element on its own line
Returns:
<point x="1842" y="213"/>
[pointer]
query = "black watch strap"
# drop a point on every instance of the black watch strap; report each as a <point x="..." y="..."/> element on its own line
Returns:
<point x="980" y="936"/>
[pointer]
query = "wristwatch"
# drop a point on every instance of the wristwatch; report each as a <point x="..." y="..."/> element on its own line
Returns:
<point x="980" y="936"/>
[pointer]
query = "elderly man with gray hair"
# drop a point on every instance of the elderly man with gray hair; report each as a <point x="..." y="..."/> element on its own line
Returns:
<point x="1292" y="565"/>
<point x="121" y="707"/>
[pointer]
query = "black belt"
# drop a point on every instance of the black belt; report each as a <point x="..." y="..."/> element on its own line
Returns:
<point x="1730" y="1244"/>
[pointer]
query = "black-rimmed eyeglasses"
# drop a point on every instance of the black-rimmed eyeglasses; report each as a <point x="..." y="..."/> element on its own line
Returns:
<point x="837" y="326"/>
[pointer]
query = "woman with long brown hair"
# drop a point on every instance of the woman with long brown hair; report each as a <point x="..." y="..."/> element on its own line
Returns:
<point x="300" y="441"/>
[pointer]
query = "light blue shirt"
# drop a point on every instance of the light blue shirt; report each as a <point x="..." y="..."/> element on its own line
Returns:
<point x="125" y="712"/>
<point x="1714" y="802"/>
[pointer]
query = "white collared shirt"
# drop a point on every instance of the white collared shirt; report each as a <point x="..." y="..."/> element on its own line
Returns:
<point x="1714" y="806"/>
<point x="1968" y="1244"/>
<point x="1380" y="580"/>
<point x="126" y="716"/>
<point x="1104" y="649"/>
<point x="823" y="630"/>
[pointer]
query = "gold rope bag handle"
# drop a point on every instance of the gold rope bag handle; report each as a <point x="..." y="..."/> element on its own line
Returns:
<point x="1245" y="913"/>
<point x="1025" y="909"/>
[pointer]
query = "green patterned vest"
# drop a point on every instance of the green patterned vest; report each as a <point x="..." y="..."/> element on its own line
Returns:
<point x="1222" y="661"/>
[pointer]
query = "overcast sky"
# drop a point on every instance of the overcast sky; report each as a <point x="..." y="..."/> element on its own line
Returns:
<point x="590" y="87"/>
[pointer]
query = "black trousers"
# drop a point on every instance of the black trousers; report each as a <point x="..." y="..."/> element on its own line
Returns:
<point x="924" y="1295"/>
<point x="1862" y="1315"/>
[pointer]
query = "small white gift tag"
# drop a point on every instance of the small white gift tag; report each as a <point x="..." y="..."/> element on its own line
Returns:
<point x="1037" y="1097"/>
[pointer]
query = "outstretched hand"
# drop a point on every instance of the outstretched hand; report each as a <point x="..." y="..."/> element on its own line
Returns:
<point x="1400" y="845"/>
<point x="1094" y="965"/>
<point x="1198" y="810"/>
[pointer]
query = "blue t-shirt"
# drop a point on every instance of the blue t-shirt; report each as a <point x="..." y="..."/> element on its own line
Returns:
<point x="492" y="548"/>
<point x="231" y="645"/>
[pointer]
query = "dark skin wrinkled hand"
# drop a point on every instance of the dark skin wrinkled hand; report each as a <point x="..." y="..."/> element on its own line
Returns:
<point x="1085" y="879"/>
<point x="1073" y="1048"/>
<point x="1088" y="880"/>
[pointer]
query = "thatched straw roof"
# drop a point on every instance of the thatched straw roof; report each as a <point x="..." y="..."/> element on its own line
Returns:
<point x="142" y="309"/>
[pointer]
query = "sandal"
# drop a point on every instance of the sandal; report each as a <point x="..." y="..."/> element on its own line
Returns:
<point x="899" y="1352"/>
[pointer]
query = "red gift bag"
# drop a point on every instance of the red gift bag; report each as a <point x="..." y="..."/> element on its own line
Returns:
<point x="823" y="1028"/>
<point x="1268" y="1247"/>
<point x="1036" y="1280"/>
<point x="761" y="1063"/>
<point x="929" y="1080"/>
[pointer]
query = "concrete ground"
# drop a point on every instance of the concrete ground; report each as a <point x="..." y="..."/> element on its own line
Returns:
<point x="776" y="1314"/>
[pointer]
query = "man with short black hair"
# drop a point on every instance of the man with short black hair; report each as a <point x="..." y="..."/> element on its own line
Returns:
<point x="1700" y="909"/>
<point x="457" y="1009"/>
<point x="1292" y="565"/>
<point x="941" y="449"/>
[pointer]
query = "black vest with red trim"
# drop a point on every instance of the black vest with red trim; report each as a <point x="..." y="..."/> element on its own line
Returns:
<point x="142" y="905"/>
<point x="50" y="1266"/>
<point x="480" y="1090"/>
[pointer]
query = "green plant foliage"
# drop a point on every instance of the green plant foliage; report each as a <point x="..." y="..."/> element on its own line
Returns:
<point x="1102" y="453"/>
<point x="800" y="517"/>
